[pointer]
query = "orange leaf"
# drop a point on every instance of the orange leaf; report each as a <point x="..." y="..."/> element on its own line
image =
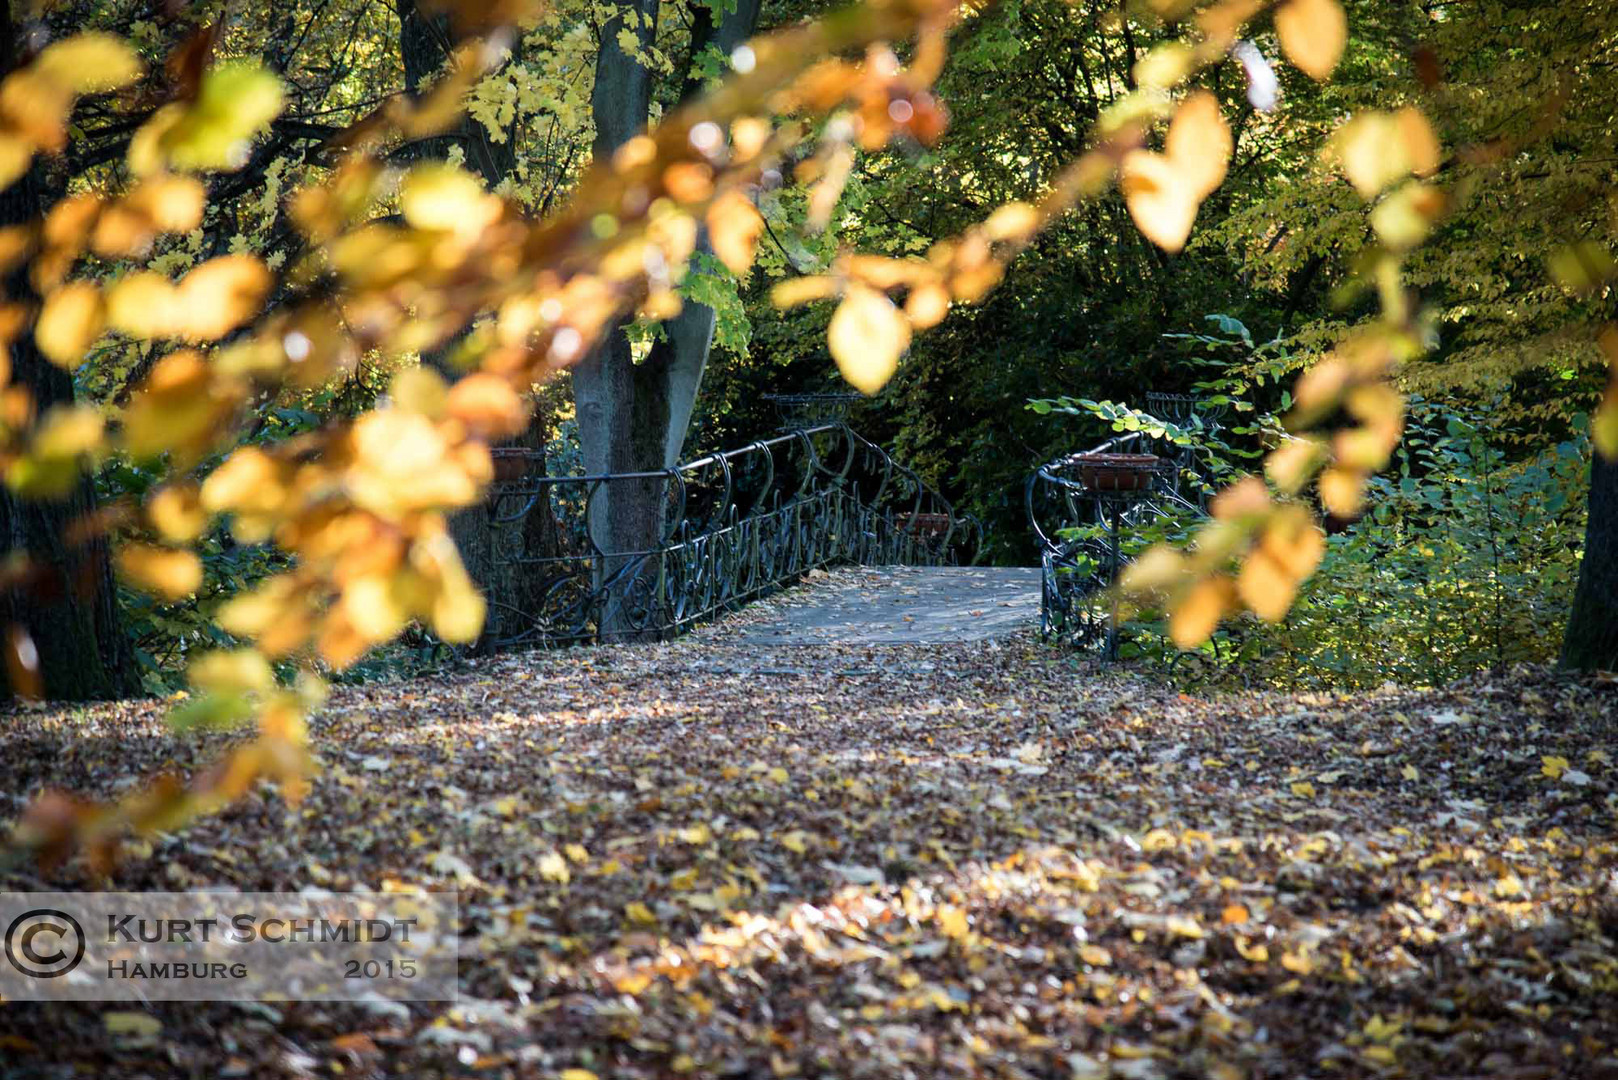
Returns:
<point x="734" y="224"/>
<point x="1266" y="587"/>
<point x="1199" y="143"/>
<point x="1312" y="33"/>
<point x="1160" y="199"/>
<point x="1199" y="611"/>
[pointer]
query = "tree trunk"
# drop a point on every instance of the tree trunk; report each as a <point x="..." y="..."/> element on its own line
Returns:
<point x="634" y="417"/>
<point x="62" y="620"/>
<point x="425" y="43"/>
<point x="1591" y="641"/>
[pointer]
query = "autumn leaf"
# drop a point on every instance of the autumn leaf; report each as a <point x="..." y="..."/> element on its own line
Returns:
<point x="1313" y="34"/>
<point x="1197" y="614"/>
<point x="236" y="100"/>
<point x="1199" y="143"/>
<point x="1161" y="200"/>
<point x="866" y="336"/>
<point x="69" y="323"/>
<point x="169" y="573"/>
<point x="734" y="226"/>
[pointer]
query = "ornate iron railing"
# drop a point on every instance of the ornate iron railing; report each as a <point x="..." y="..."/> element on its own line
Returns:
<point x="734" y="526"/>
<point x="1082" y="530"/>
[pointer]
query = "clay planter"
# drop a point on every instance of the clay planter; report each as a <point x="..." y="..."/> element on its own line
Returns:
<point x="925" y="524"/>
<point x="1117" y="472"/>
<point x="509" y="465"/>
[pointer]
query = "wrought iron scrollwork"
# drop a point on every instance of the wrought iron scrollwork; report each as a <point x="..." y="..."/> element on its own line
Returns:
<point x="1081" y="530"/>
<point x="735" y="525"/>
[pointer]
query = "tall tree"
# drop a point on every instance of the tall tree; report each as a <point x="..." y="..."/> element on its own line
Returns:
<point x="633" y="417"/>
<point x="1591" y="641"/>
<point x="65" y="640"/>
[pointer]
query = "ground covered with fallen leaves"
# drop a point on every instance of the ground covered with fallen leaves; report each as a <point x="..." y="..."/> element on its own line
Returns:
<point x="985" y="859"/>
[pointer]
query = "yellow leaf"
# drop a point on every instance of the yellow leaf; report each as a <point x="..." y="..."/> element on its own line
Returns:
<point x="866" y="336"/>
<point x="1158" y="840"/>
<point x="1553" y="767"/>
<point x="778" y="775"/>
<point x="1199" y="143"/>
<point x="1604" y="424"/>
<point x="442" y="197"/>
<point x="953" y="921"/>
<point x="1157" y="568"/>
<point x="236" y="100"/>
<point x="801" y="290"/>
<point x="1265" y="586"/>
<point x="458" y="610"/>
<point x="1245" y="498"/>
<point x="685" y="880"/>
<point x="16" y="154"/>
<point x="1162" y="201"/>
<point x="796" y="841"/>
<point x="1303" y="789"/>
<point x="68" y="431"/>
<point x="220" y="295"/>
<point x="1423" y="153"/>
<point x="1378" y="148"/>
<point x="230" y="671"/>
<point x="176" y="512"/>
<point x="1199" y="611"/>
<point x="142" y="304"/>
<point x="1095" y="955"/>
<point x="1404" y="218"/>
<point x="69" y="323"/>
<point x="1290" y="465"/>
<point x="1312" y="33"/>
<point x="552" y="867"/>
<point x="1164" y="66"/>
<point x="1014" y="221"/>
<point x="1256" y="954"/>
<point x="1292" y="539"/>
<point x="640" y="913"/>
<point x="576" y="1074"/>
<point x="165" y="572"/>
<point x="90" y="63"/>
<point x="172" y="203"/>
<point x="926" y="306"/>
<point x="487" y="405"/>
<point x="1184" y="926"/>
<point x="1342" y="491"/>
<point x="1410" y="772"/>
<point x="734" y="226"/>
<point x="1299" y="963"/>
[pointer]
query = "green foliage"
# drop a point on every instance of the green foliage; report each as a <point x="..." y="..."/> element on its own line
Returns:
<point x="1466" y="561"/>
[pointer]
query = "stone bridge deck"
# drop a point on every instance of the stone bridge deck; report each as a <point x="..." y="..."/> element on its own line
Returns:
<point x="891" y="605"/>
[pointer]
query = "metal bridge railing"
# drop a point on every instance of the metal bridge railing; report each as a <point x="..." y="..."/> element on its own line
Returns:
<point x="733" y="526"/>
<point x="1082" y="523"/>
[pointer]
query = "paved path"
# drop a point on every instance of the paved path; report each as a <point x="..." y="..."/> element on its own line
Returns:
<point x="893" y="605"/>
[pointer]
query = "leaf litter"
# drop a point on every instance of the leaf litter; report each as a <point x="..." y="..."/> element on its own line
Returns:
<point x="978" y="859"/>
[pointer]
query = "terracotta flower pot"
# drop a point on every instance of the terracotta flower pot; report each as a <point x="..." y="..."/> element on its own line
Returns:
<point x="935" y="524"/>
<point x="1117" y="472"/>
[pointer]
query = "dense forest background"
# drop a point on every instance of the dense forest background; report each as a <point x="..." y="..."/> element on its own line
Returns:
<point x="1467" y="554"/>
